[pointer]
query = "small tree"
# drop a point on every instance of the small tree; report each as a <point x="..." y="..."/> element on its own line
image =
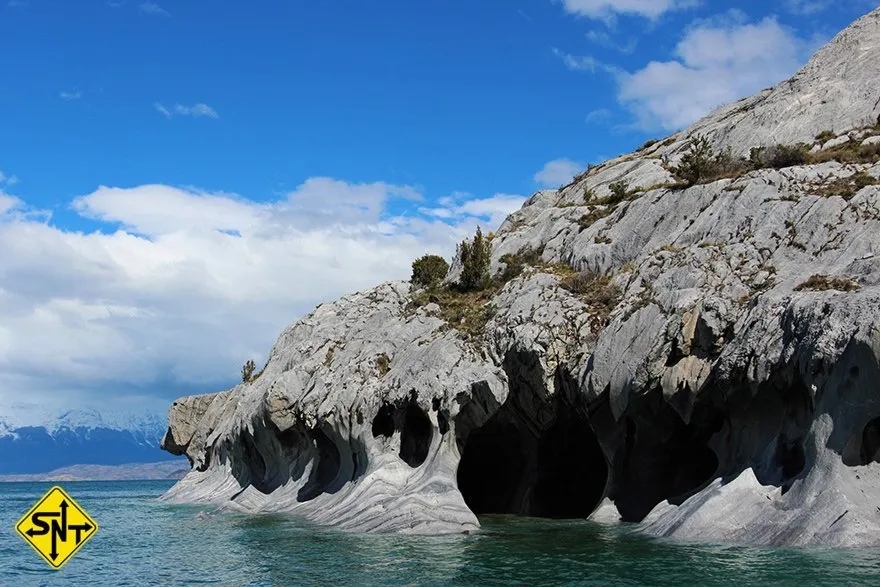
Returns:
<point x="697" y="162"/>
<point x="475" y="255"/>
<point x="619" y="191"/>
<point x="247" y="371"/>
<point x="429" y="270"/>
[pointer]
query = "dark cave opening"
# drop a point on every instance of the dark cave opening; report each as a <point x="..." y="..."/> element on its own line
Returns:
<point x="662" y="458"/>
<point x="491" y="469"/>
<point x="416" y="429"/>
<point x="383" y="423"/>
<point x="255" y="464"/>
<point x="510" y="467"/>
<point x="326" y="470"/>
<point x="864" y="447"/>
<point x="572" y="471"/>
<point x="789" y="457"/>
<point x="415" y="435"/>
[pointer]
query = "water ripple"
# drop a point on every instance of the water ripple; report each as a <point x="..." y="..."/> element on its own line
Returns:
<point x="144" y="542"/>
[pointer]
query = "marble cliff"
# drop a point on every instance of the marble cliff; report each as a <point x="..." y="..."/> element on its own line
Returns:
<point x="699" y="357"/>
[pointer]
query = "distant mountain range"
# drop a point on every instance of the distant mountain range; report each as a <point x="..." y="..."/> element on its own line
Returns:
<point x="133" y="471"/>
<point x="78" y="437"/>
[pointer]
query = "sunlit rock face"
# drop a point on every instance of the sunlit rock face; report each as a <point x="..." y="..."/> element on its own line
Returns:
<point x="721" y="383"/>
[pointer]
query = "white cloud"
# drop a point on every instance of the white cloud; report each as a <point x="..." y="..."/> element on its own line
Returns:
<point x="603" y="39"/>
<point x="8" y="180"/>
<point x="153" y="9"/>
<point x="182" y="286"/>
<point x="585" y="63"/>
<point x="487" y="211"/>
<point x="495" y="208"/>
<point x="607" y="9"/>
<point x="598" y="116"/>
<point x="7" y="203"/>
<point x="558" y="172"/>
<point x="715" y="64"/>
<point x="196" y="110"/>
<point x="807" y="7"/>
<point x="71" y="95"/>
<point x="578" y="62"/>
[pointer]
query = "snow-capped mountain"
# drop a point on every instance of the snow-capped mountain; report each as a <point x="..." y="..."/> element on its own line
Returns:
<point x="39" y="442"/>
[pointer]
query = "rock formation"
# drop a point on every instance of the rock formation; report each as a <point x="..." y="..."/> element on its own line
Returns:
<point x="700" y="360"/>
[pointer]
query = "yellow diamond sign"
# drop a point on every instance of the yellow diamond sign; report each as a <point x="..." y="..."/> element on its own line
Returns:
<point x="56" y="527"/>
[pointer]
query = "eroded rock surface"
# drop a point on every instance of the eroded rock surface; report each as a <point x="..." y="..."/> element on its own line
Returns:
<point x="723" y="384"/>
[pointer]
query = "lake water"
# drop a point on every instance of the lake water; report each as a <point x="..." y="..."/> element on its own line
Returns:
<point x="144" y="542"/>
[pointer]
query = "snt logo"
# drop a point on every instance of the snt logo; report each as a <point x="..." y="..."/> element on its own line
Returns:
<point x="56" y="527"/>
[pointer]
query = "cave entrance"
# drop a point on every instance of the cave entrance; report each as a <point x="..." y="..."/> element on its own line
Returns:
<point x="864" y="447"/>
<point x="662" y="458"/>
<point x="416" y="430"/>
<point x="511" y="466"/>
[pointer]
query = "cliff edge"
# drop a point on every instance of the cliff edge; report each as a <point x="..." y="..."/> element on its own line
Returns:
<point x="687" y="335"/>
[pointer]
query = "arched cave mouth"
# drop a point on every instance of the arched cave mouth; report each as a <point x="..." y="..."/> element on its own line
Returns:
<point x="509" y="466"/>
<point x="416" y="429"/>
<point x="325" y="471"/>
<point x="864" y="447"/>
<point x="661" y="458"/>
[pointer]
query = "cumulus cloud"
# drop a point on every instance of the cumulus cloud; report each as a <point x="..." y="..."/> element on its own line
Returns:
<point x="558" y="172"/>
<point x="180" y="286"/>
<point x="493" y="209"/>
<point x="715" y="63"/>
<point x="607" y="9"/>
<point x="71" y="95"/>
<point x="7" y="203"/>
<point x="196" y="110"/>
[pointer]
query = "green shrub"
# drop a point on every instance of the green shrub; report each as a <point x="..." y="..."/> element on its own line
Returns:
<point x="778" y="156"/>
<point x="475" y="258"/>
<point x="619" y="190"/>
<point x="429" y="270"/>
<point x="863" y="180"/>
<point x="247" y="371"/>
<point x="596" y="290"/>
<point x="847" y="187"/>
<point x="467" y="312"/>
<point x="383" y="364"/>
<point x="824" y="283"/>
<point x="593" y="216"/>
<point x="697" y="162"/>
<point x="513" y="267"/>
<point x="701" y="164"/>
<point x="824" y="136"/>
<point x="515" y="263"/>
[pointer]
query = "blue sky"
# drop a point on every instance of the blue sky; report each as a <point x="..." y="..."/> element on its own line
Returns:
<point x="334" y="140"/>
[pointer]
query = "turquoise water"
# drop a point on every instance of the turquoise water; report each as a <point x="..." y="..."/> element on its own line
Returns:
<point x="144" y="542"/>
